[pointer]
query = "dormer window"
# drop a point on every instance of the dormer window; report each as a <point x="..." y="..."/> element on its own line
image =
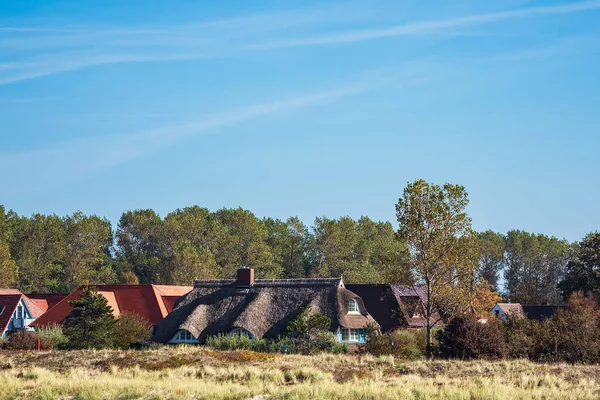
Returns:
<point x="353" y="307"/>
<point x="183" y="336"/>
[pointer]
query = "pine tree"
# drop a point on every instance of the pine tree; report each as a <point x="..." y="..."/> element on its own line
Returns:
<point x="90" y="324"/>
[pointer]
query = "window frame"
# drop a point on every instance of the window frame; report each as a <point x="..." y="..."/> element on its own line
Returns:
<point x="353" y="307"/>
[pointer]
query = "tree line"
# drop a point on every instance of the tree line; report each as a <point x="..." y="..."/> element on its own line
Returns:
<point x="48" y="253"/>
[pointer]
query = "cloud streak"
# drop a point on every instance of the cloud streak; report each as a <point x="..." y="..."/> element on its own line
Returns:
<point x="427" y="27"/>
<point x="39" y="169"/>
<point x="34" y="52"/>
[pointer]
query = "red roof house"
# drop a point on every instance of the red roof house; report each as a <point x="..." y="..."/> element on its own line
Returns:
<point x="17" y="311"/>
<point x="46" y="301"/>
<point x="151" y="302"/>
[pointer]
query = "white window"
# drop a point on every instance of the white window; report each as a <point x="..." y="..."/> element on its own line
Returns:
<point x="183" y="336"/>
<point x="350" y="335"/>
<point x="20" y="311"/>
<point x="353" y="307"/>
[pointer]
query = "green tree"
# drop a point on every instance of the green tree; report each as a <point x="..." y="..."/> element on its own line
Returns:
<point x="241" y="240"/>
<point x="289" y="242"/>
<point x="435" y="226"/>
<point x="138" y="241"/>
<point x="583" y="272"/>
<point x="8" y="268"/>
<point x="491" y="259"/>
<point x="189" y="262"/>
<point x="87" y="258"/>
<point x="308" y="327"/>
<point x="38" y="246"/>
<point x="535" y="267"/>
<point x="90" y="324"/>
<point x="362" y="251"/>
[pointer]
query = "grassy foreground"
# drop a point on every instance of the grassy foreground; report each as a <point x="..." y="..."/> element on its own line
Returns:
<point x="196" y="373"/>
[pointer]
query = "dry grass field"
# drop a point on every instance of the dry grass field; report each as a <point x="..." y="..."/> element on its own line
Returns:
<point x="196" y="373"/>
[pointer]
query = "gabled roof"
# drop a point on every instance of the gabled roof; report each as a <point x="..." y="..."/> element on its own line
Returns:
<point x="539" y="313"/>
<point x="264" y="308"/>
<point x="9" y="300"/>
<point x="394" y="306"/>
<point x="46" y="301"/>
<point x="536" y="312"/>
<point x="147" y="301"/>
<point x="511" y="309"/>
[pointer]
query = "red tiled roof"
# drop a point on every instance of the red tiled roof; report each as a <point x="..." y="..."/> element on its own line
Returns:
<point x="8" y="303"/>
<point x="45" y="300"/>
<point x="147" y="301"/>
<point x="9" y="299"/>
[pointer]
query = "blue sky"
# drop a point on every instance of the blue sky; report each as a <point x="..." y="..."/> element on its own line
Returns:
<point x="304" y="108"/>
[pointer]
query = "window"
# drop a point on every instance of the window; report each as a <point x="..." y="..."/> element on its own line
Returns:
<point x="183" y="336"/>
<point x="2" y="309"/>
<point x="20" y="311"/>
<point x="353" y="307"/>
<point x="353" y="335"/>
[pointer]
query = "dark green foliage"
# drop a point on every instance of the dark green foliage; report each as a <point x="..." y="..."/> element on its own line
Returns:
<point x="310" y="329"/>
<point x="408" y="345"/>
<point x="327" y="343"/>
<point x="131" y="329"/>
<point x="571" y="335"/>
<point x="535" y="266"/>
<point x="583" y="272"/>
<point x="54" y="336"/>
<point x="90" y="324"/>
<point x="491" y="260"/>
<point x="466" y="338"/>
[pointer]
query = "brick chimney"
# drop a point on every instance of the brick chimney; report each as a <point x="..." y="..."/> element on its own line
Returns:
<point x="245" y="276"/>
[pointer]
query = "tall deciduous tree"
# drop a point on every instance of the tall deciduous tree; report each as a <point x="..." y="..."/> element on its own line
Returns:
<point x="535" y="267"/>
<point x="434" y="224"/>
<point x="289" y="242"/>
<point x="87" y="259"/>
<point x="583" y="272"/>
<point x="38" y="246"/>
<point x="8" y="268"/>
<point x="242" y="241"/>
<point x="362" y="251"/>
<point x="491" y="259"/>
<point x="138" y="241"/>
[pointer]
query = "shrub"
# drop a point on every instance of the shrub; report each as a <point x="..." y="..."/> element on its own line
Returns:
<point x="53" y="336"/>
<point x="467" y="338"/>
<point x="26" y="340"/>
<point x="130" y="329"/>
<point x="519" y="337"/>
<point x="309" y="327"/>
<point x="236" y="342"/>
<point x="401" y="343"/>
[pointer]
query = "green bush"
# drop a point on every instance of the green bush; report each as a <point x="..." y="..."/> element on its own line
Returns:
<point x="236" y="342"/>
<point x="54" y="335"/>
<point x="323" y="343"/>
<point x="465" y="337"/>
<point x="404" y="344"/>
<point x="131" y="329"/>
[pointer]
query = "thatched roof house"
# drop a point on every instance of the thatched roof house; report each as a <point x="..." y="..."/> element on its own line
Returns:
<point x="395" y="306"/>
<point x="261" y="308"/>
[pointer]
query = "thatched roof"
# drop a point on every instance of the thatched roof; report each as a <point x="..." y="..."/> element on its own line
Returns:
<point x="264" y="309"/>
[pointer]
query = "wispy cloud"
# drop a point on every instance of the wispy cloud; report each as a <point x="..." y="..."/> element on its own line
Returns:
<point x="427" y="27"/>
<point x="31" y="52"/>
<point x="39" y="167"/>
